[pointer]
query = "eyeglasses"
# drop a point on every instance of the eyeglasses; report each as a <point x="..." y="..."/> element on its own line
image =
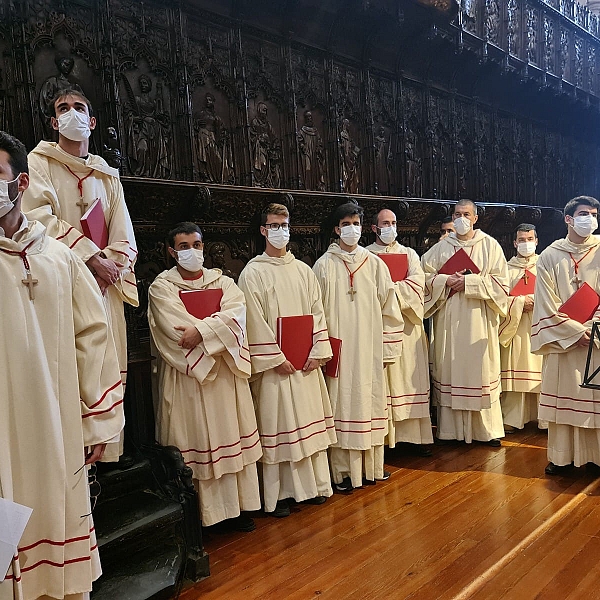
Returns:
<point x="276" y="226"/>
<point x="95" y="488"/>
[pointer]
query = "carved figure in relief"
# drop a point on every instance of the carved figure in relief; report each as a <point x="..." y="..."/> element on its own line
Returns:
<point x="52" y="86"/>
<point x="265" y="150"/>
<point x="112" y="152"/>
<point x="213" y="149"/>
<point x="147" y="126"/>
<point x="413" y="166"/>
<point x="349" y="153"/>
<point x="217" y="252"/>
<point x="312" y="155"/>
<point x="492" y="20"/>
<point x="383" y="161"/>
<point x="461" y="169"/>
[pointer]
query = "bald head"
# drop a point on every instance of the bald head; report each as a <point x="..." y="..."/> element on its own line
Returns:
<point x="384" y="220"/>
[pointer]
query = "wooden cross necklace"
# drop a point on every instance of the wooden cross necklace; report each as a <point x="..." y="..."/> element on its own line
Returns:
<point x="29" y="281"/>
<point x="82" y="203"/>
<point x="576" y="263"/>
<point x="351" y="274"/>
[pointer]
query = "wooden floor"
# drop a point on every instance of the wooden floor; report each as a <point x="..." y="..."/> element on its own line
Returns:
<point x="469" y="522"/>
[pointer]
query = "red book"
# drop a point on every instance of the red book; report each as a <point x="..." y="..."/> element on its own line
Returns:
<point x="201" y="303"/>
<point x="93" y="225"/>
<point x="459" y="261"/>
<point x="397" y="264"/>
<point x="332" y="367"/>
<point x="295" y="338"/>
<point x="525" y="285"/>
<point x="582" y="305"/>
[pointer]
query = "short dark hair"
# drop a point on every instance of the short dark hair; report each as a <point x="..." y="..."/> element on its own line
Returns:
<point x="525" y="227"/>
<point x="347" y="210"/>
<point x="17" y="154"/>
<point x="70" y="92"/>
<point x="185" y="227"/>
<point x="572" y="205"/>
<point x="273" y="209"/>
<point x="447" y="220"/>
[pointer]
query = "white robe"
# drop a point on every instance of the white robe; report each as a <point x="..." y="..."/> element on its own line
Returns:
<point x="204" y="406"/>
<point x="466" y="351"/>
<point x="52" y="199"/>
<point x="407" y="378"/>
<point x="572" y="412"/>
<point x="60" y="391"/>
<point x="293" y="411"/>
<point x="521" y="372"/>
<point x="370" y="327"/>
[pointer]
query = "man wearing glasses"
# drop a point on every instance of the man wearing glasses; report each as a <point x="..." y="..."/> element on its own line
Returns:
<point x="292" y="404"/>
<point x="61" y="397"/>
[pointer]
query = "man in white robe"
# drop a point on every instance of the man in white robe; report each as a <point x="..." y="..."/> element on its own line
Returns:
<point x="362" y="310"/>
<point x="65" y="180"/>
<point x="204" y="405"/>
<point x="521" y="372"/>
<point x="292" y="406"/>
<point x="61" y="397"/>
<point x="466" y="309"/>
<point x="407" y="378"/>
<point x="572" y="412"/>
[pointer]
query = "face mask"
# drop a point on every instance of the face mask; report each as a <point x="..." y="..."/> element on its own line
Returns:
<point x="526" y="248"/>
<point x="191" y="259"/>
<point x="74" y="126"/>
<point x="387" y="234"/>
<point x="278" y="238"/>
<point x="462" y="225"/>
<point x="6" y="204"/>
<point x="585" y="225"/>
<point x="350" y="234"/>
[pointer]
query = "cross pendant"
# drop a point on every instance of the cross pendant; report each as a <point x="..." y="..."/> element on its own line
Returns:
<point x="352" y="291"/>
<point x="576" y="281"/>
<point x="30" y="282"/>
<point x="526" y="277"/>
<point x="83" y="206"/>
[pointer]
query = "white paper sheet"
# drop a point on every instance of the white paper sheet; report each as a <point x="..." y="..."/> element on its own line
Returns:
<point x="13" y="520"/>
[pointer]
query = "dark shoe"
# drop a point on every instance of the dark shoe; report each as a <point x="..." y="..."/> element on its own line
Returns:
<point x="345" y="486"/>
<point x="440" y="442"/>
<point x="368" y="481"/>
<point x="494" y="443"/>
<point x="421" y="450"/>
<point x="317" y="500"/>
<point x="242" y="523"/>
<point x="552" y="469"/>
<point x="509" y="429"/>
<point x="386" y="475"/>
<point x="593" y="468"/>
<point x="282" y="509"/>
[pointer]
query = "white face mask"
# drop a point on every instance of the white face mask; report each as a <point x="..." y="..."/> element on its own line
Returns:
<point x="350" y="234"/>
<point x="278" y="238"/>
<point x="74" y="126"/>
<point x="462" y="225"/>
<point x="387" y="234"/>
<point x="6" y="204"/>
<point x="526" y="248"/>
<point x="585" y="225"/>
<point x="190" y="259"/>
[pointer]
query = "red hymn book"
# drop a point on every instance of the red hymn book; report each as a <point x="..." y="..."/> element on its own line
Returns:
<point x="201" y="303"/>
<point x="93" y="225"/>
<point x="582" y="305"/>
<point x="397" y="264"/>
<point x="332" y="367"/>
<point x="295" y="338"/>
<point x="525" y="286"/>
<point x="459" y="261"/>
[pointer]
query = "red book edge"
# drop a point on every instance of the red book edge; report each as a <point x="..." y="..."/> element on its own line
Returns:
<point x="93" y="224"/>
<point x="574" y="309"/>
<point x="524" y="289"/>
<point x="332" y="367"/>
<point x="299" y="319"/>
<point x="459" y="261"/>
<point x="397" y="265"/>
<point x="201" y="310"/>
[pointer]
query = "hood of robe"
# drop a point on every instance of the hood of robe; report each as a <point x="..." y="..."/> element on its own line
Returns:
<point x="358" y="256"/>
<point x="286" y="259"/>
<point x="393" y="248"/>
<point x="173" y="276"/>
<point x="93" y="161"/>
<point x="523" y="263"/>
<point x="454" y="241"/>
<point x="567" y="246"/>
<point x="34" y="232"/>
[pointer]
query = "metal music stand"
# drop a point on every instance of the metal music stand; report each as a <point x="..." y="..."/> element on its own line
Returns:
<point x="588" y="378"/>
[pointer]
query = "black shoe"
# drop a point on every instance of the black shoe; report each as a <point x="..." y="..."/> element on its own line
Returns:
<point x="494" y="443"/>
<point x="421" y="450"/>
<point x="368" y="481"/>
<point x="242" y="523"/>
<point x="509" y="429"/>
<point x="552" y="469"/>
<point x="344" y="486"/>
<point x="386" y="475"/>
<point x="593" y="468"/>
<point x="282" y="509"/>
<point x="440" y="442"/>
<point x="317" y="500"/>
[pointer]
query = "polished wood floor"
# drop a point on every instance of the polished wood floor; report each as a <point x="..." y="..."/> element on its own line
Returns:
<point x="469" y="522"/>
